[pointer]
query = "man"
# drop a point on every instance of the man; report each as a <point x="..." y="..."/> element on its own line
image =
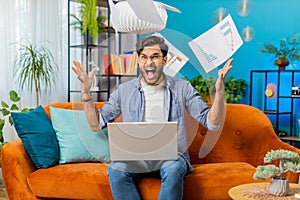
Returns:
<point x="153" y="97"/>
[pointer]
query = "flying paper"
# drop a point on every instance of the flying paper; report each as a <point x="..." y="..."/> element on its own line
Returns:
<point x="176" y="59"/>
<point x="216" y="45"/>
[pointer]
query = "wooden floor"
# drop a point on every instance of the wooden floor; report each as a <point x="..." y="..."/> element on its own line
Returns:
<point x="3" y="195"/>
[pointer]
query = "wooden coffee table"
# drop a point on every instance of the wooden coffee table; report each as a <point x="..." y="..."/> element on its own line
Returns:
<point x="253" y="191"/>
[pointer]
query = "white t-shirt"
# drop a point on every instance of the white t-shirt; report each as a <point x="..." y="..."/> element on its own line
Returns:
<point x="154" y="101"/>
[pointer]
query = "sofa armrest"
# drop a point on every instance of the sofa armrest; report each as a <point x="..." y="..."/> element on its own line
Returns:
<point x="16" y="167"/>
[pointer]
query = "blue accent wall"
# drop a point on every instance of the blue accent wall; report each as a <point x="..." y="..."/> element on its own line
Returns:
<point x="270" y="19"/>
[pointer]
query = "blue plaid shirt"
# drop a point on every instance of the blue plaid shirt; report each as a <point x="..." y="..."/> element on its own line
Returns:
<point x="179" y="95"/>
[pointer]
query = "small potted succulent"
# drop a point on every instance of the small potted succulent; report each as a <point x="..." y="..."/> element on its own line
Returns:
<point x="287" y="51"/>
<point x="287" y="161"/>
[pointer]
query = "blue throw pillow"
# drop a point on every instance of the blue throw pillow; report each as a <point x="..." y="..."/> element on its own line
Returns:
<point x="38" y="137"/>
<point x="76" y="141"/>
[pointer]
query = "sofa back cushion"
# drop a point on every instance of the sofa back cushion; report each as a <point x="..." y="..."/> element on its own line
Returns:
<point x="35" y="130"/>
<point x="246" y="136"/>
<point x="77" y="142"/>
<point x="69" y="105"/>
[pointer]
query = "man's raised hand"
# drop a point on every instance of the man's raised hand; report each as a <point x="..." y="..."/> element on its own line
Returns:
<point x="86" y="81"/>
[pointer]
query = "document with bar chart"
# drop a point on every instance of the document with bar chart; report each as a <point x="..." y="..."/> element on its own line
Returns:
<point x="176" y="59"/>
<point x="216" y="45"/>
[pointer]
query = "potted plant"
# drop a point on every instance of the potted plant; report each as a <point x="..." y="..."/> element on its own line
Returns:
<point x="89" y="24"/>
<point x="288" y="161"/>
<point x="35" y="67"/>
<point x="235" y="89"/>
<point x="205" y="87"/>
<point x="6" y="110"/>
<point x="287" y="51"/>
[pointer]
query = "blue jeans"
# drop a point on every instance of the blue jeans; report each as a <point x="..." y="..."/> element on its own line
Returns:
<point x="172" y="173"/>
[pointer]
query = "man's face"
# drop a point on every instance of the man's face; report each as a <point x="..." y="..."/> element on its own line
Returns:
<point x="151" y="64"/>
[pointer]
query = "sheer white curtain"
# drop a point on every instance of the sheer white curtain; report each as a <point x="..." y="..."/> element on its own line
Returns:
<point x="40" y="21"/>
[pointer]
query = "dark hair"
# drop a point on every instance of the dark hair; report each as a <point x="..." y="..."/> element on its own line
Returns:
<point x="150" y="41"/>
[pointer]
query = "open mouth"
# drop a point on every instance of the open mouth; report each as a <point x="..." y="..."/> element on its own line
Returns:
<point x="150" y="73"/>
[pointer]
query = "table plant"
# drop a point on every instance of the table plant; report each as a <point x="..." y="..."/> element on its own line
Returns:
<point x="287" y="161"/>
<point x="287" y="51"/>
<point x="88" y="23"/>
<point x="35" y="67"/>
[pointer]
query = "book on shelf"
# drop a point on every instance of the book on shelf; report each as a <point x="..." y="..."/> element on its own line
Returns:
<point x="130" y="63"/>
<point x="106" y="65"/>
<point x="117" y="64"/>
<point x="123" y="64"/>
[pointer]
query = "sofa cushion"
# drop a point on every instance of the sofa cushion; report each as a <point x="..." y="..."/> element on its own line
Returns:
<point x="213" y="180"/>
<point x="71" y="181"/>
<point x="77" y="142"/>
<point x="36" y="132"/>
<point x="90" y="181"/>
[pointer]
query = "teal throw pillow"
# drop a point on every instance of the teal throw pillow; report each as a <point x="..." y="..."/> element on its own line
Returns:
<point x="76" y="141"/>
<point x="38" y="137"/>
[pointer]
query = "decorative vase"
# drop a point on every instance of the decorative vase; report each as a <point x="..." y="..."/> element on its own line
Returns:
<point x="87" y="39"/>
<point x="281" y="63"/>
<point x="279" y="187"/>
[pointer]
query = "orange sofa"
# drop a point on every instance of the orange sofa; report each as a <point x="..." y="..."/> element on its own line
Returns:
<point x="246" y="137"/>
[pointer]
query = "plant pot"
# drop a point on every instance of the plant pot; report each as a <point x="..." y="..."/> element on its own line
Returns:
<point x="87" y="39"/>
<point x="279" y="187"/>
<point x="281" y="63"/>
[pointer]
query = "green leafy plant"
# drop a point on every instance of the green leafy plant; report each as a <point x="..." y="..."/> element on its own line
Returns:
<point x="288" y="161"/>
<point x="35" y="67"/>
<point x="205" y="86"/>
<point x="6" y="110"/>
<point x="88" y="22"/>
<point x="287" y="51"/>
<point x="235" y="89"/>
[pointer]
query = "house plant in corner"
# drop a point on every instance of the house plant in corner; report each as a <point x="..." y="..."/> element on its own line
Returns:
<point x="35" y="67"/>
<point x="88" y="23"/>
<point x="287" y="161"/>
<point x="287" y="51"/>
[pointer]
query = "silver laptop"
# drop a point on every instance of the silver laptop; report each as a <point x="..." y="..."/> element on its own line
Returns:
<point x="143" y="141"/>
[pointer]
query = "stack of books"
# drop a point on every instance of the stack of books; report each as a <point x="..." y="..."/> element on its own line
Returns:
<point x="123" y="64"/>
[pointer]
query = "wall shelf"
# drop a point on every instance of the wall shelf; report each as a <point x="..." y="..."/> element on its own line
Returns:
<point x="283" y="104"/>
<point x="91" y="55"/>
